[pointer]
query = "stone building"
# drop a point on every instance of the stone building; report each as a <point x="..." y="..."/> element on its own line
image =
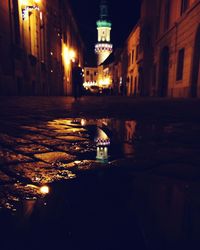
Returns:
<point x="133" y="77"/>
<point x="39" y="40"/>
<point x="170" y="43"/>
<point x="161" y="56"/>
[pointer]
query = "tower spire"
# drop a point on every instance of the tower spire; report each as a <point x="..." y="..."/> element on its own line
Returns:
<point x="103" y="48"/>
<point x="103" y="10"/>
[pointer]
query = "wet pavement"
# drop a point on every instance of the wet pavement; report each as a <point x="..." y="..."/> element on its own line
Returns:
<point x="99" y="173"/>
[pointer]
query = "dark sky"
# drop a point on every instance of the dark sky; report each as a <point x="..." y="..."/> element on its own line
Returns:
<point x="123" y="15"/>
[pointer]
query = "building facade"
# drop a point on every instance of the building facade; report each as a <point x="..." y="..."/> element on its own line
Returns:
<point x="39" y="41"/>
<point x="133" y="77"/>
<point x="161" y="56"/>
<point x="170" y="41"/>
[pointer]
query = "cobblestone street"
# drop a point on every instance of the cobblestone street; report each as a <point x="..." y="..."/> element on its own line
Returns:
<point x="45" y="141"/>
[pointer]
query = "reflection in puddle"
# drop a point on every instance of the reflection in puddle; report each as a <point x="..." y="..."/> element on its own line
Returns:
<point x="102" y="143"/>
<point x="143" y="187"/>
<point x="115" y="136"/>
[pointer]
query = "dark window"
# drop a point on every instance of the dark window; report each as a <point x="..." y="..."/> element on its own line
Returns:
<point x="87" y="72"/>
<point x="16" y="21"/>
<point x="132" y="55"/>
<point x="137" y="52"/>
<point x="180" y="64"/>
<point x="184" y="6"/>
<point x="129" y="59"/>
<point x="95" y="73"/>
<point x="158" y="16"/>
<point x="154" y="75"/>
<point x="167" y="14"/>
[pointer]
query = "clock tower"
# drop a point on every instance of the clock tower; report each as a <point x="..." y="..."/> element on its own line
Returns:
<point x="103" y="48"/>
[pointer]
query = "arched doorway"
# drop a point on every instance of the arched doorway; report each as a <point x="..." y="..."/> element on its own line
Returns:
<point x="195" y="74"/>
<point x="163" y="72"/>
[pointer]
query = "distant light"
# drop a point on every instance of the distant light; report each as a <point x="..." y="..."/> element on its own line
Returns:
<point x="26" y="10"/>
<point x="72" y="54"/>
<point x="24" y="2"/>
<point x="77" y="162"/>
<point x="51" y="53"/>
<point x="41" y="16"/>
<point x="89" y="84"/>
<point x="83" y="122"/>
<point x="102" y="142"/>
<point x="68" y="55"/>
<point x="44" y="190"/>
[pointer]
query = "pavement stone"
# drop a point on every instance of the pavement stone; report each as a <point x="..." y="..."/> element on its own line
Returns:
<point x="46" y="141"/>
<point x="55" y="157"/>
<point x="71" y="138"/>
<point x="39" y="172"/>
<point x="7" y="156"/>
<point x="31" y="149"/>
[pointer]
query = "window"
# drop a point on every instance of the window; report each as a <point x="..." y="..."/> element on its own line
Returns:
<point x="167" y="15"/>
<point x="137" y="51"/>
<point x="129" y="59"/>
<point x="184" y="6"/>
<point x="87" y="72"/>
<point x="16" y="21"/>
<point x="132" y="55"/>
<point x="154" y="70"/>
<point x="180" y="64"/>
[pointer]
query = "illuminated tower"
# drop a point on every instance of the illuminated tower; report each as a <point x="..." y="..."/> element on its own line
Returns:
<point x="103" y="48"/>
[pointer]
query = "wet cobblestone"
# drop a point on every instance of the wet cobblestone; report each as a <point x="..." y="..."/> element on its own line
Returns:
<point x="42" y="145"/>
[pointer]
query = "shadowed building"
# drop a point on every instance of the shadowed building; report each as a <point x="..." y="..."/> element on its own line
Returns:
<point x="161" y="56"/>
<point x="39" y="40"/>
<point x="170" y="38"/>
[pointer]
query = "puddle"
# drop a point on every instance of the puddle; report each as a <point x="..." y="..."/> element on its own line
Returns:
<point x="108" y="184"/>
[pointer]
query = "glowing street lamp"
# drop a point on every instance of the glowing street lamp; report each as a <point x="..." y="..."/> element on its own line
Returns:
<point x="68" y="55"/>
<point x="44" y="190"/>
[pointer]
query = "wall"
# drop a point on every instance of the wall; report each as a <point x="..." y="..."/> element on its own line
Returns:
<point x="39" y="45"/>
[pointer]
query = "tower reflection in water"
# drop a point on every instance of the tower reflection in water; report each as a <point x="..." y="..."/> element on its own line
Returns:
<point x="102" y="144"/>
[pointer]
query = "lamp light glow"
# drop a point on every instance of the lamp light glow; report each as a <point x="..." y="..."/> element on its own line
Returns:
<point x="44" y="190"/>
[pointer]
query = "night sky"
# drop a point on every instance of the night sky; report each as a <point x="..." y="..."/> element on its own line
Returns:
<point x="123" y="14"/>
